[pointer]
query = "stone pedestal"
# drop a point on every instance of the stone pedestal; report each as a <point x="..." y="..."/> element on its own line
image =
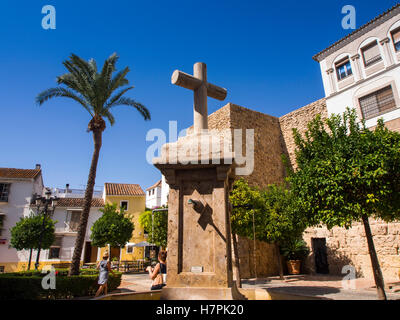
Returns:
<point x="199" y="263"/>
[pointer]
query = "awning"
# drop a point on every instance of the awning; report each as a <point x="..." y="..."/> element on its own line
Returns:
<point x="143" y="244"/>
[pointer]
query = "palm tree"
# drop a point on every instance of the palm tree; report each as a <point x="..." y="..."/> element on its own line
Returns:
<point x="97" y="93"/>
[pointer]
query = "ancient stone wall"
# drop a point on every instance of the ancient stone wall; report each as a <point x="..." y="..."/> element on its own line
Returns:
<point x="299" y="119"/>
<point x="273" y="137"/>
<point x="349" y="247"/>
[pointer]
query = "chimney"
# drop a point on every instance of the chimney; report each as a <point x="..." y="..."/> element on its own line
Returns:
<point x="38" y="166"/>
<point x="67" y="188"/>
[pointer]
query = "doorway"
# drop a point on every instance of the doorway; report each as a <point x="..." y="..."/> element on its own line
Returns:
<point x="90" y="253"/>
<point x="115" y="253"/>
<point x="320" y="255"/>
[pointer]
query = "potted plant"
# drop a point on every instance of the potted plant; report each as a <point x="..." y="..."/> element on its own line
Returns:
<point x="294" y="251"/>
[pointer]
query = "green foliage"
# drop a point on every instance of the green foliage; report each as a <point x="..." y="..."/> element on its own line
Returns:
<point x="295" y="249"/>
<point x="26" y="233"/>
<point x="111" y="228"/>
<point x="275" y="216"/>
<point x="156" y="225"/>
<point x="346" y="171"/>
<point x="96" y="91"/>
<point x="27" y="285"/>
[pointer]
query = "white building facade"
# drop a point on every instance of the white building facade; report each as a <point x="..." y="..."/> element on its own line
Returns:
<point x="16" y="189"/>
<point x="157" y="194"/>
<point x="362" y="71"/>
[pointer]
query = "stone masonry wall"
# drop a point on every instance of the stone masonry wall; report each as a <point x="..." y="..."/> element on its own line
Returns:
<point x="268" y="168"/>
<point x="345" y="247"/>
<point x="273" y="137"/>
<point x="299" y="119"/>
<point x="349" y="247"/>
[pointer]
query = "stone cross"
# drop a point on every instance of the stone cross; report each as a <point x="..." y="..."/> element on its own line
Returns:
<point x="198" y="83"/>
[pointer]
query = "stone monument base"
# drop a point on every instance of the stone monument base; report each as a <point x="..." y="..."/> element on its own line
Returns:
<point x="211" y="293"/>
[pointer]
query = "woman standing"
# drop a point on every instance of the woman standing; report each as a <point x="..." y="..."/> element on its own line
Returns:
<point x="159" y="273"/>
<point x="104" y="267"/>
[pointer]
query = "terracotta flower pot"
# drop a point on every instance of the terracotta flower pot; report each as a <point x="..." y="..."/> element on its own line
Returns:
<point x="293" y="266"/>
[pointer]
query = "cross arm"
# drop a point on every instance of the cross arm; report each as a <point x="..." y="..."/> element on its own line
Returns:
<point x="187" y="81"/>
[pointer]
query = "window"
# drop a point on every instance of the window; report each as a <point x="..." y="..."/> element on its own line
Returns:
<point x="129" y="249"/>
<point x="376" y="103"/>
<point x="54" y="252"/>
<point x="1" y="269"/>
<point x="343" y="68"/>
<point x="4" y="191"/>
<point x="74" y="221"/>
<point x="124" y="205"/>
<point x="1" y="222"/>
<point x="396" y="39"/>
<point x="371" y="54"/>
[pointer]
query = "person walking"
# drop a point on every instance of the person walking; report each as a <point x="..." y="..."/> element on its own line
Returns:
<point x="159" y="273"/>
<point x="105" y="267"/>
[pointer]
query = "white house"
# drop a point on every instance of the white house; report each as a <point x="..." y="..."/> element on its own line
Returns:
<point x="362" y="71"/>
<point x="153" y="195"/>
<point x="67" y="214"/>
<point x="16" y="189"/>
<point x="157" y="194"/>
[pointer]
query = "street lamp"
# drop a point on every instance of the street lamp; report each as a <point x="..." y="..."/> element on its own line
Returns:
<point x="45" y="206"/>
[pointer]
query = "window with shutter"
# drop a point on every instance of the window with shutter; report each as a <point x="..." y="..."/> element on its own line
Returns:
<point x="377" y="103"/>
<point x="74" y="221"/>
<point x="54" y="251"/>
<point x="396" y="39"/>
<point x="343" y="68"/>
<point x="371" y="54"/>
<point x="4" y="191"/>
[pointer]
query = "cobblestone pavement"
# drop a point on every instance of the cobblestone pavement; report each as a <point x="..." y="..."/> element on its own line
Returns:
<point x="135" y="282"/>
<point x="326" y="287"/>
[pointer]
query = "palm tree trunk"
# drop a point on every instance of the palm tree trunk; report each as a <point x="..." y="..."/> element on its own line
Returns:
<point x="80" y="238"/>
<point x="380" y="285"/>
<point x="237" y="262"/>
<point x="279" y="260"/>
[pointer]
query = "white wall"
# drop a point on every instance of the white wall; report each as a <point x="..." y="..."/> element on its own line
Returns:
<point x="389" y="74"/>
<point x="18" y="206"/>
<point x="164" y="191"/>
<point x="153" y="200"/>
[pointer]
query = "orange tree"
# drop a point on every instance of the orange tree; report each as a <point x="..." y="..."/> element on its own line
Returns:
<point x="348" y="173"/>
<point x="267" y="215"/>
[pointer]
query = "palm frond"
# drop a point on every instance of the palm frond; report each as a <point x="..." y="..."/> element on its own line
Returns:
<point x="61" y="92"/>
<point x="117" y="96"/>
<point x="130" y="102"/>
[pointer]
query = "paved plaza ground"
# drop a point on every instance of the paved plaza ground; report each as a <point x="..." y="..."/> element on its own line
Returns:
<point x="307" y="286"/>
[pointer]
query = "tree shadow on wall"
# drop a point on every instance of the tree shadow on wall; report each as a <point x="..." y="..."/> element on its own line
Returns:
<point x="338" y="259"/>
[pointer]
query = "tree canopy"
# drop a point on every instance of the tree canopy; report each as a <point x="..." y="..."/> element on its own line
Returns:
<point x="346" y="171"/>
<point x="25" y="234"/>
<point x="275" y="216"/>
<point x="156" y="225"/>
<point x="111" y="228"/>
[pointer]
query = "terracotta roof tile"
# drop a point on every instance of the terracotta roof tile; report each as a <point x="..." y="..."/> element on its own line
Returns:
<point x="78" y="202"/>
<point x="158" y="183"/>
<point x="123" y="189"/>
<point x="14" y="173"/>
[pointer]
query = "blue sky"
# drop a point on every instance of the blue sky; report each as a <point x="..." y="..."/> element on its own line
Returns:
<point x="260" y="51"/>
